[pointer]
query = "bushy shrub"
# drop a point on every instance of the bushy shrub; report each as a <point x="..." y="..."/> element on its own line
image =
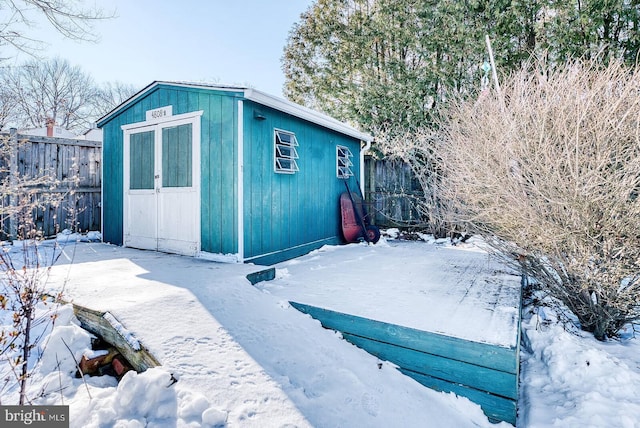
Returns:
<point x="549" y="171"/>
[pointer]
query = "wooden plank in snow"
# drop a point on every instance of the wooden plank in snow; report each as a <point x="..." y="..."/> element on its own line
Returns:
<point x="262" y="275"/>
<point x="96" y="322"/>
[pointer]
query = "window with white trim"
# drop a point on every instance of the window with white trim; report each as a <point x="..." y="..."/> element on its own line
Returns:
<point x="285" y="152"/>
<point x="343" y="162"/>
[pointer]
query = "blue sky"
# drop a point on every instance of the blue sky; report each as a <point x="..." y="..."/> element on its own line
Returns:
<point x="220" y="41"/>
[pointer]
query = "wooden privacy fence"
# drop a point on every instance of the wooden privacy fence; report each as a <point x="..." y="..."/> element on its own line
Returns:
<point x="75" y="166"/>
<point x="393" y="192"/>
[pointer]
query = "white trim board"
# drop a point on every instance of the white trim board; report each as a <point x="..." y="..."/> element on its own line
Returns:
<point x="240" y="178"/>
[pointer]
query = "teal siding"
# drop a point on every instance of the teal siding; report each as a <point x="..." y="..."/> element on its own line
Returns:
<point x="112" y="182"/>
<point x="486" y="374"/>
<point x="286" y="215"/>
<point x="219" y="175"/>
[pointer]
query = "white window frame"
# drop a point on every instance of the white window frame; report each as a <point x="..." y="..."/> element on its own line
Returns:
<point x="343" y="162"/>
<point x="284" y="152"/>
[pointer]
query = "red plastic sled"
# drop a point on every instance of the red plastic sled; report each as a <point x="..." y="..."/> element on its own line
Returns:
<point x="351" y="230"/>
<point x="354" y="226"/>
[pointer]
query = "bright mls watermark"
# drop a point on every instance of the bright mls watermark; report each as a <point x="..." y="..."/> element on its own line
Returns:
<point x="34" y="416"/>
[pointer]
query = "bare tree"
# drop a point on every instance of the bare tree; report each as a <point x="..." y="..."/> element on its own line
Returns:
<point x="112" y="94"/>
<point x="550" y="174"/>
<point x="51" y="89"/>
<point x="69" y="18"/>
<point x="7" y="104"/>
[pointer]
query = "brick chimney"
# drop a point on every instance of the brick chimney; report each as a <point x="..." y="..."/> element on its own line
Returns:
<point x="50" y="124"/>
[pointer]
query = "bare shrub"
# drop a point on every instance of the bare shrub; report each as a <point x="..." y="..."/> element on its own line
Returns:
<point x="25" y="297"/>
<point x="550" y="173"/>
<point x="26" y="312"/>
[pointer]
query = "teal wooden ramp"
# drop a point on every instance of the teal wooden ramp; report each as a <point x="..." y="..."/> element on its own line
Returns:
<point x="449" y="317"/>
<point x="486" y="374"/>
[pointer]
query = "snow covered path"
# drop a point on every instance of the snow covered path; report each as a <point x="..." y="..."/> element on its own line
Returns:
<point x="251" y="354"/>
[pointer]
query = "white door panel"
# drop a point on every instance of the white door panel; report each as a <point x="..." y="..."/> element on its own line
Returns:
<point x="141" y="220"/>
<point x="177" y="216"/>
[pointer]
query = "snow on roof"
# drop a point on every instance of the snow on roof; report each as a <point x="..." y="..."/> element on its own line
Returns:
<point x="258" y="97"/>
<point x="58" y="131"/>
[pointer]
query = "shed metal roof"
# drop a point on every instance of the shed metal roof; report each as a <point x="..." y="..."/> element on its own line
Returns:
<point x="256" y="96"/>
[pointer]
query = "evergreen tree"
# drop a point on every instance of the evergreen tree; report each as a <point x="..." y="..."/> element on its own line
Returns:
<point x="386" y="64"/>
<point x="588" y="28"/>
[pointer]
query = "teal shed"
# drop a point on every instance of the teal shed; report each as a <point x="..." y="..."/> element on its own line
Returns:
<point x="223" y="172"/>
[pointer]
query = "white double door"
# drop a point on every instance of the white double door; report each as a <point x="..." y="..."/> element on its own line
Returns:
<point x="162" y="186"/>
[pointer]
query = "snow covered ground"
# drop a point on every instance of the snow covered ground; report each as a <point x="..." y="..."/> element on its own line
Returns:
<point x="244" y="357"/>
<point x="458" y="291"/>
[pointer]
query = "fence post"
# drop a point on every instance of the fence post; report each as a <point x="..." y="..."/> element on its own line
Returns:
<point x="370" y="187"/>
<point x="13" y="180"/>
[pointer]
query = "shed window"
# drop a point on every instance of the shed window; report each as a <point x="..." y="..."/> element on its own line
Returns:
<point x="141" y="155"/>
<point x="177" y="156"/>
<point x="343" y="162"/>
<point x="285" y="152"/>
